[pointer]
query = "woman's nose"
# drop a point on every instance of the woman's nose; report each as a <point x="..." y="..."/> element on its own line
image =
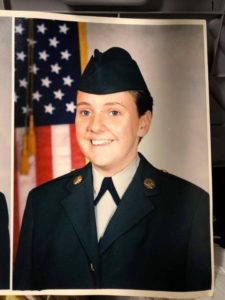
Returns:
<point x="96" y="123"/>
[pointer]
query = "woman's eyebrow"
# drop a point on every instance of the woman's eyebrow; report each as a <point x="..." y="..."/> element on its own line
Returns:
<point x="83" y="103"/>
<point x="114" y="103"/>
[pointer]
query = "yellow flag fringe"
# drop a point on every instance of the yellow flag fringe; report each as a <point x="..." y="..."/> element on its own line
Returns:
<point x="31" y="136"/>
<point x="83" y="45"/>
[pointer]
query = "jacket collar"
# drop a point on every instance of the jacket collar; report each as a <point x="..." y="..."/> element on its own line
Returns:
<point x="138" y="201"/>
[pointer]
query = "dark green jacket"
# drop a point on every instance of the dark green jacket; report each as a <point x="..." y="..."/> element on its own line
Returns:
<point x="4" y="244"/>
<point x="158" y="238"/>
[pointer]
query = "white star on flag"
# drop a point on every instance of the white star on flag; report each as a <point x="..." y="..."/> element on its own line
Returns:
<point x="34" y="69"/>
<point x="67" y="80"/>
<point x="70" y="107"/>
<point x="36" y="96"/>
<point x="49" y="108"/>
<point x="55" y="68"/>
<point x="43" y="55"/>
<point x="53" y="42"/>
<point x="46" y="82"/>
<point x="65" y="54"/>
<point x="58" y="94"/>
<point x="41" y="28"/>
<point x="21" y="55"/>
<point x="25" y="109"/>
<point x="31" y="42"/>
<point x="19" y="29"/>
<point x="63" y="28"/>
<point x="23" y="83"/>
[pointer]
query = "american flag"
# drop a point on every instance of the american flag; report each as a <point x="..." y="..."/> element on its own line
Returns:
<point x="47" y="72"/>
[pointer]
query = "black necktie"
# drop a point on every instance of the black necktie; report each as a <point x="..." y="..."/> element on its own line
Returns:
<point x="107" y="185"/>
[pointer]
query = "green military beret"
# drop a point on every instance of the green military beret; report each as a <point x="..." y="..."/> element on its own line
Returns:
<point x="111" y="71"/>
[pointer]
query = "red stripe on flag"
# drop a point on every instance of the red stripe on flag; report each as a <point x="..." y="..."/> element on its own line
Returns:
<point x="44" y="169"/>
<point x="77" y="157"/>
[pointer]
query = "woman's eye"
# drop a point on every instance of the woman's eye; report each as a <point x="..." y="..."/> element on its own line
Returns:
<point x="114" y="113"/>
<point x="85" y="113"/>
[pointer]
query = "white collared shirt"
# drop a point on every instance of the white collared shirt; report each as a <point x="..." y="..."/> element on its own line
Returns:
<point x="106" y="207"/>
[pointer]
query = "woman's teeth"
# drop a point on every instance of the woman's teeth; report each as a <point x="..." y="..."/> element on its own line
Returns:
<point x="100" y="142"/>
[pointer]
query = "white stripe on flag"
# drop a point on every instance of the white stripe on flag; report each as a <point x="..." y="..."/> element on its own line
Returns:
<point x="61" y="149"/>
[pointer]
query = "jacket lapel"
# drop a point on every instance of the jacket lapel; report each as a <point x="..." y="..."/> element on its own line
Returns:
<point x="80" y="210"/>
<point x="137" y="202"/>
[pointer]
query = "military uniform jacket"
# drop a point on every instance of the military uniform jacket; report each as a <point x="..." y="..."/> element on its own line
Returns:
<point x="158" y="238"/>
<point x="4" y="244"/>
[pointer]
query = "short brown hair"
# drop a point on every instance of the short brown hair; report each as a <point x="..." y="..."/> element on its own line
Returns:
<point x="144" y="101"/>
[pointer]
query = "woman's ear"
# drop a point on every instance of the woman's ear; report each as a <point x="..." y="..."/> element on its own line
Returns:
<point x="144" y="123"/>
